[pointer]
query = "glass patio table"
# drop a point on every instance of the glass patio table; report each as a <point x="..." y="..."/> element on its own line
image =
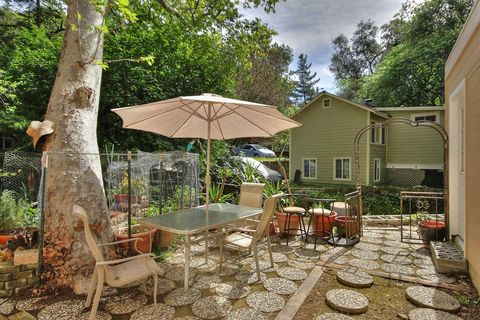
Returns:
<point x="193" y="221"/>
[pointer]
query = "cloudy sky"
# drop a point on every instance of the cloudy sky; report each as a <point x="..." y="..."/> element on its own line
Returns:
<point x="309" y="26"/>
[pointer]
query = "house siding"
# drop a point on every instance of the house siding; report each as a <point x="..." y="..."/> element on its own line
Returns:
<point x="464" y="65"/>
<point x="325" y="134"/>
<point x="414" y="145"/>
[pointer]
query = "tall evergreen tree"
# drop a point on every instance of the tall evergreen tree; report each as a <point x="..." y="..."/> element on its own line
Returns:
<point x="305" y="87"/>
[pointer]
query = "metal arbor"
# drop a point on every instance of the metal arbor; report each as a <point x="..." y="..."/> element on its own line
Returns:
<point x="422" y="123"/>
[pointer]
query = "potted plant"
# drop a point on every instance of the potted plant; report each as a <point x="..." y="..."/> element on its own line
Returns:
<point x="17" y="220"/>
<point x="121" y="195"/>
<point x="428" y="229"/>
<point x="146" y="234"/>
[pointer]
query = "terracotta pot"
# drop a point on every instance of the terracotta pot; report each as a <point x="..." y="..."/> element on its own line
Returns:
<point x="144" y="245"/>
<point x="294" y="222"/>
<point x="163" y="239"/>
<point x="16" y="236"/>
<point x="322" y="225"/>
<point x="431" y="231"/>
<point x="346" y="226"/>
<point x="5" y="236"/>
<point x="272" y="228"/>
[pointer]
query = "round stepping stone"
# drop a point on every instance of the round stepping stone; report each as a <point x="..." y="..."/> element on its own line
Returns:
<point x="101" y="315"/>
<point x="430" y="314"/>
<point x="364" y="264"/>
<point x="426" y="272"/>
<point x="393" y="236"/>
<point x="280" y="248"/>
<point x="291" y="243"/>
<point x="163" y="286"/>
<point x="432" y="298"/>
<point x="347" y="301"/>
<point x="371" y="240"/>
<point x="364" y="254"/>
<point x="176" y="258"/>
<point x="125" y="303"/>
<point x="422" y="253"/>
<point x="355" y="278"/>
<point x="264" y="265"/>
<point x="367" y="246"/>
<point x="277" y="257"/>
<point x="212" y="307"/>
<point x="307" y="253"/>
<point x="280" y="286"/>
<point x="373" y="235"/>
<point x="228" y="269"/>
<point x="6" y="306"/>
<point x="246" y="261"/>
<point x="157" y="311"/>
<point x="178" y="275"/>
<point x="181" y="297"/>
<point x="32" y="304"/>
<point x="305" y="265"/>
<point x="233" y="290"/>
<point x="395" y="251"/>
<point x="423" y="263"/>
<point x="246" y="313"/>
<point x="205" y="282"/>
<point x="292" y="273"/>
<point x="333" y="316"/>
<point x="391" y="258"/>
<point x="199" y="264"/>
<point x="396" y="244"/>
<point x="63" y="310"/>
<point x="318" y="247"/>
<point x="265" y="301"/>
<point x="250" y="277"/>
<point x="397" y="268"/>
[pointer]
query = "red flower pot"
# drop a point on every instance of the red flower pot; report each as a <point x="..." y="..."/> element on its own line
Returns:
<point x="346" y="226"/>
<point x="431" y="231"/>
<point x="322" y="224"/>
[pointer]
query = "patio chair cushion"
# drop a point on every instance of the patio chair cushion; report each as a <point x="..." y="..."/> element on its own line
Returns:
<point x="320" y="211"/>
<point x="131" y="271"/>
<point x="294" y="210"/>
<point x="239" y="239"/>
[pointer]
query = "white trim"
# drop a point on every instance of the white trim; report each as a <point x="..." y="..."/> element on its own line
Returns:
<point x="424" y="114"/>
<point x="378" y="129"/>
<point x="417" y="166"/>
<point x="303" y="168"/>
<point x="369" y="132"/>
<point x="325" y="93"/>
<point x="329" y="103"/>
<point x="379" y="170"/>
<point x="466" y="34"/>
<point x="349" y="168"/>
<point x="422" y="108"/>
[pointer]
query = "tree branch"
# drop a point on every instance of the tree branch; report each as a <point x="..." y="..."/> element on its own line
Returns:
<point x="166" y="5"/>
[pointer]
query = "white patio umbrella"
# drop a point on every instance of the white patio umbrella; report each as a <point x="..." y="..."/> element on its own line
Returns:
<point x="206" y="116"/>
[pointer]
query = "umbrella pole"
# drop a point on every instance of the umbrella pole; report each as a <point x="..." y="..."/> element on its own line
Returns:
<point x="207" y="176"/>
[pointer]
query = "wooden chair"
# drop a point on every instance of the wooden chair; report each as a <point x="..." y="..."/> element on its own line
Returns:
<point x="115" y="273"/>
<point x="247" y="239"/>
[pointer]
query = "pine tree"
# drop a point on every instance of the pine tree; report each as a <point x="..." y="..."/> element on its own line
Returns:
<point x="304" y="90"/>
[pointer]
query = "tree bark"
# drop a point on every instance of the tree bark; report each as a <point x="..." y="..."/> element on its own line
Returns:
<point x="74" y="170"/>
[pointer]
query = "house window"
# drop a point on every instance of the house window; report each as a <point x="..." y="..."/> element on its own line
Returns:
<point x="341" y="168"/>
<point x="326" y="103"/>
<point x="378" y="134"/>
<point x="310" y="168"/>
<point x="425" y="117"/>
<point x="376" y="170"/>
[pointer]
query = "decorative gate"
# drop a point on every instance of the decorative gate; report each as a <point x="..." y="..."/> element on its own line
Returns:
<point x="407" y="233"/>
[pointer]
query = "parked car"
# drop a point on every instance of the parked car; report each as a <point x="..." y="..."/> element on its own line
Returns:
<point x="262" y="169"/>
<point x="253" y="150"/>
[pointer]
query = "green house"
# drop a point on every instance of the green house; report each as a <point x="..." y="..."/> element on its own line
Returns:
<point x="322" y="149"/>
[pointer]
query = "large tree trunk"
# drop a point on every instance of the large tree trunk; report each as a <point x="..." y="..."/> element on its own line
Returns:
<point x="74" y="171"/>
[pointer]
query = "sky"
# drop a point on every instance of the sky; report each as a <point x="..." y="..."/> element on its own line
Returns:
<point x="308" y="26"/>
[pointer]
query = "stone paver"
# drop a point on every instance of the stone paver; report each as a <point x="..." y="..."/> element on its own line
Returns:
<point x="265" y="301"/>
<point x="159" y="311"/>
<point x="280" y="286"/>
<point x="430" y="314"/>
<point x="347" y="301"/>
<point x="181" y="297"/>
<point x="246" y="314"/>
<point x="432" y="298"/>
<point x="333" y="316"/>
<point x="354" y="278"/>
<point x="364" y="264"/>
<point x="212" y="307"/>
<point x="292" y="273"/>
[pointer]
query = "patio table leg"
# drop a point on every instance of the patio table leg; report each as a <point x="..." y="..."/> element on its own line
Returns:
<point x="187" y="261"/>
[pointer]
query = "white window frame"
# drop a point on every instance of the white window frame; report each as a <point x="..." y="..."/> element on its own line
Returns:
<point x="426" y="114"/>
<point x="303" y="168"/>
<point x="379" y="167"/>
<point x="349" y="168"/>
<point x="380" y="134"/>
<point x="329" y="103"/>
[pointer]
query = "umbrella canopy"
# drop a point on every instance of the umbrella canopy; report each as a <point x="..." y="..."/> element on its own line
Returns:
<point x="206" y="116"/>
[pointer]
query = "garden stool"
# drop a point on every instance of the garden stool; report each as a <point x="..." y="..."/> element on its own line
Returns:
<point x="299" y="213"/>
<point x="320" y="224"/>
